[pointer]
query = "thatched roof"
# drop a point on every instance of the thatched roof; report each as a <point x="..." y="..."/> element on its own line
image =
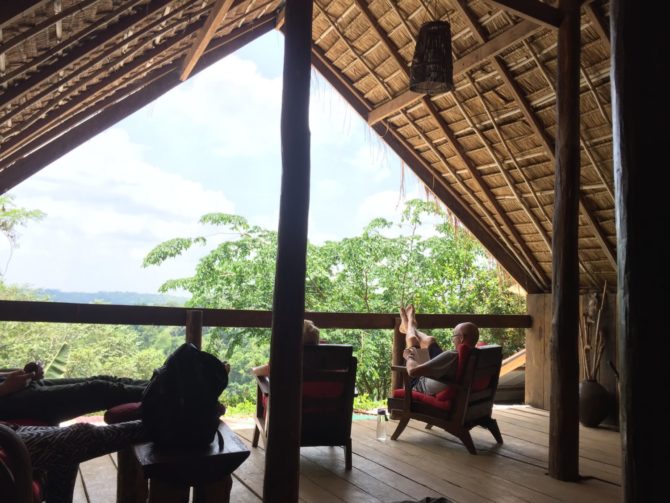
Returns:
<point x="69" y="69"/>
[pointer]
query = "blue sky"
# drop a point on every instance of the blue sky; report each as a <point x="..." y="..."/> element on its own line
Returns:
<point x="211" y="144"/>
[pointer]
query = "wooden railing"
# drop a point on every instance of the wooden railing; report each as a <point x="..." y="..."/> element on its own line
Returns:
<point x="108" y="314"/>
<point x="195" y="319"/>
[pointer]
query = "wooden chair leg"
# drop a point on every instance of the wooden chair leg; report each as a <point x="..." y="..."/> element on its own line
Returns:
<point x="216" y="492"/>
<point x="131" y="486"/>
<point x="347" y="455"/>
<point x="400" y="428"/>
<point x="464" y="436"/>
<point x="162" y="492"/>
<point x="495" y="431"/>
<point x="257" y="434"/>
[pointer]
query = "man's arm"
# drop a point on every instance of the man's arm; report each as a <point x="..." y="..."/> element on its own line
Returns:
<point x="15" y="381"/>
<point x="443" y="367"/>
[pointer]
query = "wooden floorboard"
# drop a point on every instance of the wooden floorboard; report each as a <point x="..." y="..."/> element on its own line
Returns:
<point x="421" y="463"/>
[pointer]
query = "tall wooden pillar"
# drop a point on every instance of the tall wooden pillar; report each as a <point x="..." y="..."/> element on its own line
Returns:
<point x="282" y="456"/>
<point x="564" y="409"/>
<point x="640" y="137"/>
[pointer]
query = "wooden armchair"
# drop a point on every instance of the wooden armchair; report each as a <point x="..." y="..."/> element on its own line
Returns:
<point x="464" y="405"/>
<point x="329" y="376"/>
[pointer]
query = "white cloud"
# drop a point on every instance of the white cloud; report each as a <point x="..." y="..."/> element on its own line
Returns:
<point x="106" y="208"/>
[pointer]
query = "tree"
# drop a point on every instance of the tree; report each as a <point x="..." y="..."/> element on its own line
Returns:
<point x="424" y="258"/>
<point x="12" y="217"/>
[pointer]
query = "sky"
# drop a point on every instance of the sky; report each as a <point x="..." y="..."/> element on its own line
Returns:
<point x="212" y="144"/>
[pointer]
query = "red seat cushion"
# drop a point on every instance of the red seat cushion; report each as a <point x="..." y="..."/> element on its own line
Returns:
<point x="431" y="400"/>
<point x="124" y="412"/>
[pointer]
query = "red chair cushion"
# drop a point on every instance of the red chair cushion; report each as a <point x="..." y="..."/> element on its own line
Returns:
<point x="124" y="412"/>
<point x="434" y="401"/>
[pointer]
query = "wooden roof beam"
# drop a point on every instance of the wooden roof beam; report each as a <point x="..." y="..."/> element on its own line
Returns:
<point x="533" y="10"/>
<point x="598" y="24"/>
<point x="62" y="141"/>
<point x="11" y="11"/>
<point x="218" y="14"/>
<point x="103" y="36"/>
<point x="491" y="48"/>
<point x="39" y="28"/>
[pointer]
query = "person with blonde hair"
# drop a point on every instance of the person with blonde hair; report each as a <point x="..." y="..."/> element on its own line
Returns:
<point x="310" y="337"/>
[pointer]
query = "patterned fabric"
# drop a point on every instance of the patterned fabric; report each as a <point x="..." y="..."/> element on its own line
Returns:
<point x="58" y="451"/>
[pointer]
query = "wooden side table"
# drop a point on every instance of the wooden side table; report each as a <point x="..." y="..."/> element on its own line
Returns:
<point x="208" y="470"/>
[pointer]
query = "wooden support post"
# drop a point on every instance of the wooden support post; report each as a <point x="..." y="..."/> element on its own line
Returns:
<point x="194" y="328"/>
<point x="396" y="358"/>
<point x="564" y="408"/>
<point x="640" y="144"/>
<point x="282" y="456"/>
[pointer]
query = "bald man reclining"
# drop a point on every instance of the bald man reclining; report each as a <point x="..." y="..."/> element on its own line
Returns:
<point x="434" y="375"/>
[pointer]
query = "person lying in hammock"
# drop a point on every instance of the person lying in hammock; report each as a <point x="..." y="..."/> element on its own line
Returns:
<point x="433" y="375"/>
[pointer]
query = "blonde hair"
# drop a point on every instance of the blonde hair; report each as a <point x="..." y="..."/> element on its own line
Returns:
<point x="310" y="333"/>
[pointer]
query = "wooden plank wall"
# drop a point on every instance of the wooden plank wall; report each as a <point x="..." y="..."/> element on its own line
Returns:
<point x="538" y="372"/>
<point x="537" y="349"/>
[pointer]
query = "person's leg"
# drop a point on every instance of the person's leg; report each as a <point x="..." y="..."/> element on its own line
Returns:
<point x="58" y="451"/>
<point x="58" y="403"/>
<point x="408" y="326"/>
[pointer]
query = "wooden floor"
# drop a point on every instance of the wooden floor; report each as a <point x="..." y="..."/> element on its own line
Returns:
<point x="422" y="463"/>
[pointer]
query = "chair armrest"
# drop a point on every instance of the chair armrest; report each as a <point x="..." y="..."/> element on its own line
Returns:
<point x="263" y="383"/>
<point x="407" y="384"/>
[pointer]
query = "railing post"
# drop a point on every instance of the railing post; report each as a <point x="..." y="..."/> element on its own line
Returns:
<point x="194" y="328"/>
<point x="396" y="358"/>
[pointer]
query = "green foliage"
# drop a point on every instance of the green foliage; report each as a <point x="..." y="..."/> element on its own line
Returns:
<point x="57" y="367"/>
<point x="388" y="265"/>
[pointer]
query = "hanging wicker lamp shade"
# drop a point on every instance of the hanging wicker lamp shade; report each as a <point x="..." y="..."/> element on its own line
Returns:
<point x="432" y="70"/>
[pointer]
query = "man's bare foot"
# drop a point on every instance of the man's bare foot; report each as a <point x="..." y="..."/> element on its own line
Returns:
<point x="411" y="315"/>
<point x="403" y="321"/>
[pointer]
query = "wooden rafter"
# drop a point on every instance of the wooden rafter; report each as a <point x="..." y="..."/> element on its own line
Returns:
<point x="216" y="16"/>
<point x="103" y="56"/>
<point x="533" y="10"/>
<point x="391" y="48"/>
<point x="40" y="27"/>
<point x="540" y="131"/>
<point x="13" y="148"/>
<point x="143" y="93"/>
<point x="584" y="209"/>
<point x="46" y="123"/>
<point x="598" y="24"/>
<point x="12" y="10"/>
<point x="531" y="118"/>
<point x="495" y="46"/>
<point x="103" y="36"/>
<point x="432" y="180"/>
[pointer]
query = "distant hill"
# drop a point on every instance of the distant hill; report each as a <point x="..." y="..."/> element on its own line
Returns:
<point x="127" y="298"/>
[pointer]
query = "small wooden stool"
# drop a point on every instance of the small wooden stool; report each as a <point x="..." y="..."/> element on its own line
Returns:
<point x="208" y="470"/>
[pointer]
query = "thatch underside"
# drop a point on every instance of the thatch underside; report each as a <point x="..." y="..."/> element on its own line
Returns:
<point x="72" y="68"/>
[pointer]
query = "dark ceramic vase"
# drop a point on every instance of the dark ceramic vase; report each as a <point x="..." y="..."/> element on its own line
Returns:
<point x="594" y="403"/>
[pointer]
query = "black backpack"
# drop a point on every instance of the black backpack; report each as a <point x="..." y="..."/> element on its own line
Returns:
<point x="180" y="405"/>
